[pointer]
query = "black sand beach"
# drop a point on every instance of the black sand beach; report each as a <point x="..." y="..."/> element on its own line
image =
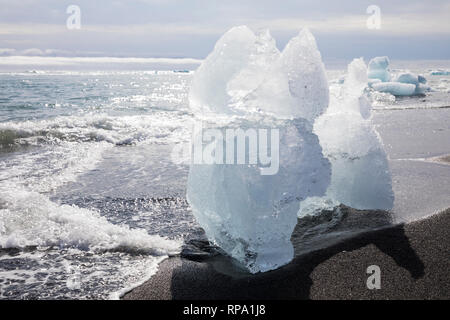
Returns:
<point x="413" y="259"/>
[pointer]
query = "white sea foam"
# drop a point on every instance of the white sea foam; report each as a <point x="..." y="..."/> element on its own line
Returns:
<point x="162" y="127"/>
<point x="31" y="219"/>
<point x="115" y="257"/>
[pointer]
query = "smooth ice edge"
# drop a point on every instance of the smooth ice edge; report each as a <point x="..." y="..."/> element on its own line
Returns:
<point x="395" y="88"/>
<point x="360" y="171"/>
<point x="250" y="216"/>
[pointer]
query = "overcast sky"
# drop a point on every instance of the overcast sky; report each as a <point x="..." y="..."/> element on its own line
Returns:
<point x="413" y="29"/>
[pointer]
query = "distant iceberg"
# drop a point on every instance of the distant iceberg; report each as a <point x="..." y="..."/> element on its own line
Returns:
<point x="378" y="69"/>
<point x="395" y="88"/>
<point x="408" y="77"/>
<point x="440" y="73"/>
<point x="328" y="153"/>
<point x="404" y="84"/>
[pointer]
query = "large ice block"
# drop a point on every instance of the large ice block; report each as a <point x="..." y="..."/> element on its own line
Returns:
<point x="360" y="171"/>
<point x="252" y="216"/>
<point x="253" y="86"/>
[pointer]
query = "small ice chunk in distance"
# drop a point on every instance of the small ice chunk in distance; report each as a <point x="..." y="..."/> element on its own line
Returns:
<point x="440" y="72"/>
<point x="235" y="67"/>
<point x="407" y="78"/>
<point x="378" y="69"/>
<point x="395" y="88"/>
<point x="422" y="79"/>
<point x="379" y="63"/>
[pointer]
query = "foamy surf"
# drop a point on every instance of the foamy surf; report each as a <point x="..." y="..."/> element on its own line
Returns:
<point x="47" y="240"/>
<point x="73" y="251"/>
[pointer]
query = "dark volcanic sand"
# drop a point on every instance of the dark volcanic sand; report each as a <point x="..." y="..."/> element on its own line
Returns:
<point x="413" y="259"/>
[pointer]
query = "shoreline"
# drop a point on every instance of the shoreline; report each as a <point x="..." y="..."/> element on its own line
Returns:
<point x="413" y="259"/>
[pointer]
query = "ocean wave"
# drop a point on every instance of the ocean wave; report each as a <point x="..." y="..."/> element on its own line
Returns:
<point x="46" y="169"/>
<point x="28" y="218"/>
<point x="159" y="127"/>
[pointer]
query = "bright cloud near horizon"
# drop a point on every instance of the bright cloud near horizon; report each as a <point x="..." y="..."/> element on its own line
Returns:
<point x="172" y="29"/>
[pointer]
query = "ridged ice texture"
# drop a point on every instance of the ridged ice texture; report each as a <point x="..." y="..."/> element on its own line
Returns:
<point x="360" y="172"/>
<point x="249" y="215"/>
<point x="378" y="69"/>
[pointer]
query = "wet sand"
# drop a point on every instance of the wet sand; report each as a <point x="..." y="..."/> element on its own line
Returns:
<point x="413" y="260"/>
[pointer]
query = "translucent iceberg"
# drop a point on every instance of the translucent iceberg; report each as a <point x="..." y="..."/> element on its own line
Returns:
<point x="408" y="77"/>
<point x="421" y="89"/>
<point x="239" y="56"/>
<point x="378" y="69"/>
<point x="404" y="84"/>
<point x="417" y="80"/>
<point x="401" y="89"/>
<point x="360" y="172"/>
<point x="395" y="88"/>
<point x="379" y="63"/>
<point x="421" y="79"/>
<point x="251" y="216"/>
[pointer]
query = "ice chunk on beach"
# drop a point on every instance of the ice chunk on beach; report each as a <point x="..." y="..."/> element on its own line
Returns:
<point x="395" y="88"/>
<point x="360" y="172"/>
<point x="246" y="74"/>
<point x="296" y="85"/>
<point x="370" y="82"/>
<point x="407" y="77"/>
<point x="404" y="84"/>
<point x="421" y="79"/>
<point x="379" y="63"/>
<point x="378" y="69"/>
<point x="237" y="65"/>
<point x="421" y="89"/>
<point x="417" y="80"/>
<point x="308" y="86"/>
<point x="251" y="215"/>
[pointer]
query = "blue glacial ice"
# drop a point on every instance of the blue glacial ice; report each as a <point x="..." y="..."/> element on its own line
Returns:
<point x="248" y="84"/>
<point x="440" y="72"/>
<point x="378" y="69"/>
<point x="360" y="172"/>
<point x="408" y="77"/>
<point x="404" y="84"/>
<point x="418" y="80"/>
<point x="395" y="88"/>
